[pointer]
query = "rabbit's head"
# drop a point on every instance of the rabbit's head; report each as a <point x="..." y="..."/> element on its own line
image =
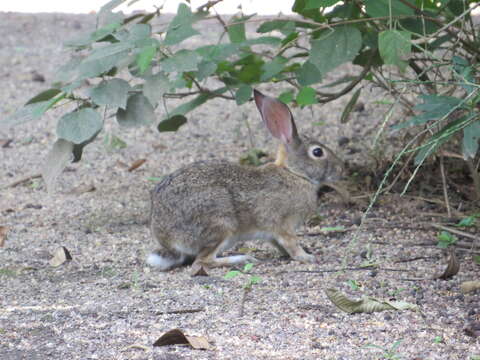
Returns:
<point x="305" y="156"/>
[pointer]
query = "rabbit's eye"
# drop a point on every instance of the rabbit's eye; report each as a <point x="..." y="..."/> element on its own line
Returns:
<point x="317" y="152"/>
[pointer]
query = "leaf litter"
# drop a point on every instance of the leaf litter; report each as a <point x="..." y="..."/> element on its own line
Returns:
<point x="178" y="337"/>
<point x="60" y="257"/>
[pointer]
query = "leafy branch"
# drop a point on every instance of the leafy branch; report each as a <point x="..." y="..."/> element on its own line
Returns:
<point x="130" y="66"/>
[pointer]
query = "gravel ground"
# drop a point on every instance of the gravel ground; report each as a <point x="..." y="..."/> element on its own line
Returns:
<point x="107" y="304"/>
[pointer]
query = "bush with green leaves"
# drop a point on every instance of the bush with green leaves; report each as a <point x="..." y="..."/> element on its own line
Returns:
<point x="424" y="53"/>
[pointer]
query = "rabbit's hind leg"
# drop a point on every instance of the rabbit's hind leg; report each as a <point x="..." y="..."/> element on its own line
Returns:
<point x="164" y="259"/>
<point x="290" y="243"/>
<point x="208" y="255"/>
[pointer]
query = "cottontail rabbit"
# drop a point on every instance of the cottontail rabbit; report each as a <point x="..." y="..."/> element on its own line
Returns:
<point x="207" y="207"/>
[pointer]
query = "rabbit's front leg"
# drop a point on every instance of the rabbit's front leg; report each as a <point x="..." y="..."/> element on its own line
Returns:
<point x="291" y="245"/>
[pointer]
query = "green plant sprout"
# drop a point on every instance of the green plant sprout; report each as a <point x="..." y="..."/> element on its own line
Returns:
<point x="252" y="279"/>
<point x="445" y="239"/>
<point x="390" y="353"/>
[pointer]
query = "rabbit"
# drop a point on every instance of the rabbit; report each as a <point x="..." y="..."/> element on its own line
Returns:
<point x="207" y="207"/>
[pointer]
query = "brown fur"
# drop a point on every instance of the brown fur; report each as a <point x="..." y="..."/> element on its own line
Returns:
<point x="207" y="207"/>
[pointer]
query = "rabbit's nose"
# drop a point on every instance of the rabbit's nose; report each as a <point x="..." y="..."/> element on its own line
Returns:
<point x="337" y="171"/>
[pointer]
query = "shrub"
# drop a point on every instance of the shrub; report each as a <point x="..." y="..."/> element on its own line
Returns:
<point x="422" y="52"/>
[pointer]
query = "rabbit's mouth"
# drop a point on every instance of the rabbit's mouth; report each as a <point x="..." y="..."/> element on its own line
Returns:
<point x="323" y="189"/>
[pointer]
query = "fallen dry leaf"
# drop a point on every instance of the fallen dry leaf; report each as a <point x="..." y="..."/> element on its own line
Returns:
<point x="453" y="267"/>
<point x="81" y="189"/>
<point x="60" y="256"/>
<point x="177" y="337"/>
<point x="136" y="164"/>
<point x="5" y="143"/>
<point x="367" y="304"/>
<point x="3" y="235"/>
<point x="470" y="286"/>
<point x="122" y="164"/>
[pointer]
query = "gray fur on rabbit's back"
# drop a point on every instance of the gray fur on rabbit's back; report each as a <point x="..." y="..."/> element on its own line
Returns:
<point x="195" y="204"/>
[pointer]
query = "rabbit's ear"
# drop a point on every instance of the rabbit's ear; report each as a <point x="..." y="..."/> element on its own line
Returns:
<point x="277" y="117"/>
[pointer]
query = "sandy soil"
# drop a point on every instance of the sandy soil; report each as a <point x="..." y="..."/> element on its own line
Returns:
<point x="107" y="304"/>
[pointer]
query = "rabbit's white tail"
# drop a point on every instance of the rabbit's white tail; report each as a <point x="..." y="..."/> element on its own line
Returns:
<point x="164" y="261"/>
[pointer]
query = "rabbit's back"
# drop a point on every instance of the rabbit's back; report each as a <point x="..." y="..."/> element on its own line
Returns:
<point x="202" y="198"/>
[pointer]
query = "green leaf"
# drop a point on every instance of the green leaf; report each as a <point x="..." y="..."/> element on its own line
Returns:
<point x="236" y="33"/>
<point x="354" y="285"/>
<point x="155" y="86"/>
<point x="145" y="57"/>
<point x="420" y="26"/>
<point x="438" y="103"/>
<point x="23" y="115"/>
<point x="250" y="73"/>
<point x="379" y="8"/>
<point x="308" y="74"/>
<point x="441" y="137"/>
<point x="287" y="97"/>
<point x="243" y="94"/>
<point x="139" y="112"/>
<point x="285" y="26"/>
<point x="349" y="107"/>
<point x="467" y="222"/>
<point x="97" y="35"/>
<point x="44" y="96"/>
<point x="139" y="32"/>
<point x="113" y="93"/>
<point x="190" y="105"/>
<point x="172" y="123"/>
<point x="272" y="68"/>
<point x="248" y="267"/>
<point x="79" y="126"/>
<point x="306" y="96"/>
<point x="263" y="40"/>
<point x="68" y="71"/>
<point x="180" y="28"/>
<point x="231" y="274"/>
<point x="218" y="52"/>
<point x="205" y="69"/>
<point x="445" y="239"/>
<point x="57" y="159"/>
<point x="335" y="48"/>
<point x="181" y="61"/>
<point x="315" y="4"/>
<point x="434" y="107"/>
<point x="108" y="50"/>
<point x="91" y="68"/>
<point x="394" y="47"/>
<point x="471" y="137"/>
<point x="30" y="112"/>
<point x="113" y="142"/>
